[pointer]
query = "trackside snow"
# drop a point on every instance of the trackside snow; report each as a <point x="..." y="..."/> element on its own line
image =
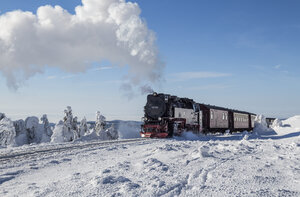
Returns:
<point x="241" y="164"/>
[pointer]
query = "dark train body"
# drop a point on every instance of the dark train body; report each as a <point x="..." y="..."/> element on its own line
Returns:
<point x="167" y="115"/>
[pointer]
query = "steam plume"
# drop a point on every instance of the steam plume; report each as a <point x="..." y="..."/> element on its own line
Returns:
<point x="146" y="89"/>
<point x="99" y="30"/>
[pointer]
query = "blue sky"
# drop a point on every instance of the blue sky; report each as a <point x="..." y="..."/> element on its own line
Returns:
<point x="237" y="54"/>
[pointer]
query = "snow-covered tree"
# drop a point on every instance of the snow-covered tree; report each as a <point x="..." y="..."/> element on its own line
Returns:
<point x="32" y="128"/>
<point x="68" y="119"/>
<point x="7" y="131"/>
<point x="21" y="133"/>
<point x="100" y="129"/>
<point x="75" y="127"/>
<point x="83" y="128"/>
<point x="47" y="131"/>
<point x="66" y="131"/>
<point x="46" y="125"/>
<point x="58" y="132"/>
<point x="100" y="122"/>
<point x="100" y="126"/>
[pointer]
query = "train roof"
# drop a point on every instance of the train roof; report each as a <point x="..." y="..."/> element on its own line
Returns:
<point x="207" y="105"/>
<point x="225" y="109"/>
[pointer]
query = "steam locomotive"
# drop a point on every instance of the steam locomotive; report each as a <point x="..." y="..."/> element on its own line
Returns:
<point x="167" y="115"/>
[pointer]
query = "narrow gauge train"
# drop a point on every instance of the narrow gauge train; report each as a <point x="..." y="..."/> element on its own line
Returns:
<point x="167" y="115"/>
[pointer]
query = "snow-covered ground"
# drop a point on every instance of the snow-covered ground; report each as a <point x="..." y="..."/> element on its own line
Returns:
<point x="262" y="163"/>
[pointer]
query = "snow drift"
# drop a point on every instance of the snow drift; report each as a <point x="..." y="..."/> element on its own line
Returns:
<point x="261" y="126"/>
<point x="292" y="122"/>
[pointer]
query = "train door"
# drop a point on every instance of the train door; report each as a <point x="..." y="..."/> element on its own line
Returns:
<point x="197" y="117"/>
<point x="200" y="115"/>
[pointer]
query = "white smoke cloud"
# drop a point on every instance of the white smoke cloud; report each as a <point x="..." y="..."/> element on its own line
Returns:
<point x="99" y="30"/>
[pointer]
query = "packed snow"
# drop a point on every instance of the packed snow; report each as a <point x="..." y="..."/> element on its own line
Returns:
<point x="262" y="163"/>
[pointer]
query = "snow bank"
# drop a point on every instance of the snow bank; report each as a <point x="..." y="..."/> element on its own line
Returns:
<point x="290" y="125"/>
<point x="292" y="122"/>
<point x="276" y="123"/>
<point x="92" y="135"/>
<point x="261" y="126"/>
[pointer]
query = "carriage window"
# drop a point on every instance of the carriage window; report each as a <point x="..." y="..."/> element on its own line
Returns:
<point x="226" y="116"/>
<point x="211" y="115"/>
<point x="223" y="116"/>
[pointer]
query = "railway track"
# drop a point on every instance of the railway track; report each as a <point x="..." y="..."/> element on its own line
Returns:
<point x="60" y="148"/>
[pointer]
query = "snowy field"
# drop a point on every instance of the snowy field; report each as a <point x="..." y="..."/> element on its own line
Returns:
<point x="262" y="163"/>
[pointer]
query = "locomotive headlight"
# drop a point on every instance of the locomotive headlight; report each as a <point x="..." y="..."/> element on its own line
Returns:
<point x="159" y="118"/>
<point x="144" y="119"/>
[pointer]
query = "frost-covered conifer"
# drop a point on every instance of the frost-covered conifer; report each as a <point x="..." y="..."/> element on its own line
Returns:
<point x="65" y="131"/>
<point x="75" y="127"/>
<point x="100" y="122"/>
<point x="7" y="131"/>
<point x="32" y="128"/>
<point x="68" y="119"/>
<point x="83" y="128"/>
<point x="100" y="126"/>
<point x="46" y="125"/>
<point x="21" y="133"/>
<point x="45" y="128"/>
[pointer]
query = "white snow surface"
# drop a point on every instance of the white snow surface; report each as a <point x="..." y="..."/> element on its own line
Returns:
<point x="262" y="163"/>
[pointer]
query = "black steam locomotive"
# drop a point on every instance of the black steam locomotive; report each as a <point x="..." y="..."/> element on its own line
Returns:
<point x="167" y="115"/>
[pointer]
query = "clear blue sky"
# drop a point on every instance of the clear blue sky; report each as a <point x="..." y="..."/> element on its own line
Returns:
<point x="238" y="54"/>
